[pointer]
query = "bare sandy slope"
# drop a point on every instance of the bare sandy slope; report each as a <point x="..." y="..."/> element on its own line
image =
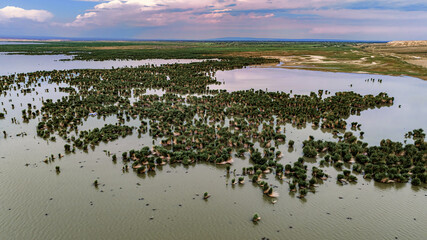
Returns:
<point x="420" y="62"/>
<point x="407" y="43"/>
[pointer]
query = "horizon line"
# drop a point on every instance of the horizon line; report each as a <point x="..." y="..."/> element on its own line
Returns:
<point x="222" y="39"/>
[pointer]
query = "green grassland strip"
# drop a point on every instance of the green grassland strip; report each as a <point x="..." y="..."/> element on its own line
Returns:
<point x="336" y="57"/>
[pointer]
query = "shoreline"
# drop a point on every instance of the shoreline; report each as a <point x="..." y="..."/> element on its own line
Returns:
<point x="335" y="70"/>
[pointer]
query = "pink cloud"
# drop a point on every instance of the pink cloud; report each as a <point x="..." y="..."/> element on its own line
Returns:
<point x="250" y="17"/>
<point x="343" y="30"/>
<point x="146" y="12"/>
<point x="366" y="14"/>
<point x="255" y="16"/>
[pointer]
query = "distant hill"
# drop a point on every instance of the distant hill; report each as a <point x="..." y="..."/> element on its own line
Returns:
<point x="224" y="39"/>
<point x="248" y="39"/>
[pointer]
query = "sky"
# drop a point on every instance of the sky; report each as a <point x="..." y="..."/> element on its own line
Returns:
<point x="376" y="20"/>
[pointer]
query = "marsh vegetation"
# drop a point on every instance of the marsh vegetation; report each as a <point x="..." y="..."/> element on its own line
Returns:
<point x="192" y="123"/>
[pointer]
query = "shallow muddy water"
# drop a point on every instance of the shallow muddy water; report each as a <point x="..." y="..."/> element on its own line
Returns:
<point x="38" y="203"/>
<point x="11" y="64"/>
<point x="18" y="43"/>
<point x="407" y="113"/>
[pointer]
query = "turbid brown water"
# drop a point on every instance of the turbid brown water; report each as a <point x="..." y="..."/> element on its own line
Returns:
<point x="38" y="203"/>
<point x="386" y="122"/>
<point x="11" y="64"/>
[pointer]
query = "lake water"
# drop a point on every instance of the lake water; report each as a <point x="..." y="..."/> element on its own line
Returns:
<point x="11" y="64"/>
<point x="37" y="203"/>
<point x="18" y="43"/>
<point x="387" y="122"/>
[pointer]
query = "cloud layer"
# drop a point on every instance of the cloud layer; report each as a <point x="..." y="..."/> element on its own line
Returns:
<point x="202" y="19"/>
<point x="10" y="12"/>
<point x="163" y="12"/>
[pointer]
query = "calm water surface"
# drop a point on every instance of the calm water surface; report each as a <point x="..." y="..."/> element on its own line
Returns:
<point x="18" y="43"/>
<point x="11" y="64"/>
<point x="36" y="203"/>
<point x="386" y="122"/>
